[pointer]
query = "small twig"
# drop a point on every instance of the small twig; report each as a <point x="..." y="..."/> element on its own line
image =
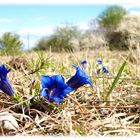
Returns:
<point x="131" y="106"/>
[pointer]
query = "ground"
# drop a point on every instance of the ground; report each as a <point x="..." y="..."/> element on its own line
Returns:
<point x="85" y="111"/>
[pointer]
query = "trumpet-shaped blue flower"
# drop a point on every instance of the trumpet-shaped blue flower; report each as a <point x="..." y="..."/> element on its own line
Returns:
<point x="84" y="64"/>
<point x="99" y="61"/>
<point x="5" y="85"/>
<point x="101" y="67"/>
<point x="54" y="88"/>
<point x="105" y="70"/>
<point x="79" y="79"/>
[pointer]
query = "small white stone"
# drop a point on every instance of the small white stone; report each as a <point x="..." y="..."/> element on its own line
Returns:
<point x="8" y="122"/>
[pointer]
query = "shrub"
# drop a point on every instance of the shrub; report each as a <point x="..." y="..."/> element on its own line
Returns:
<point x="118" y="40"/>
<point x="127" y="35"/>
<point x="10" y="44"/>
<point x="60" y="40"/>
<point x="92" y="41"/>
<point x="111" y="17"/>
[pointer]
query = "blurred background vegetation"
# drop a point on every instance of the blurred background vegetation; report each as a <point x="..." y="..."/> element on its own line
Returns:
<point x="114" y="29"/>
<point x="10" y="44"/>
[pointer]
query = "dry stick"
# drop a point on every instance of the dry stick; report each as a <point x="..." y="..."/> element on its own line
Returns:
<point x="2" y="131"/>
<point x="5" y="109"/>
<point x="131" y="106"/>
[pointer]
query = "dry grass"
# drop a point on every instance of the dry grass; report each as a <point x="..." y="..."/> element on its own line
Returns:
<point x="83" y="112"/>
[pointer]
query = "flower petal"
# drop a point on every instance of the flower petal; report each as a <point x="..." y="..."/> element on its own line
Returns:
<point x="105" y="70"/>
<point x="3" y="71"/>
<point x="54" y="88"/>
<point x="5" y="85"/>
<point x="46" y="81"/>
<point x="61" y="88"/>
<point x="99" y="61"/>
<point x="84" y="64"/>
<point x="79" y="79"/>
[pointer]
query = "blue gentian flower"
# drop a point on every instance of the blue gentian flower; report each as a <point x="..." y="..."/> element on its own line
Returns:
<point x="105" y="70"/>
<point x="84" y="64"/>
<point x="101" y="67"/>
<point x="54" y="88"/>
<point x="5" y="85"/>
<point x="79" y="79"/>
<point x="99" y="61"/>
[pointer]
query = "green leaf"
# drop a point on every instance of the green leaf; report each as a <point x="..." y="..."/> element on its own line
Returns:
<point x="116" y="79"/>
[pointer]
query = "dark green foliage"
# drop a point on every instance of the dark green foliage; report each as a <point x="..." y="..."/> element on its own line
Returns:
<point x="10" y="44"/>
<point x="112" y="16"/>
<point x="60" y="40"/>
<point x="118" y="40"/>
<point x="109" y="21"/>
<point x="41" y="45"/>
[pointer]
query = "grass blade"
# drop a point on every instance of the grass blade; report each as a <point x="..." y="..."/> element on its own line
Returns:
<point x="116" y="78"/>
